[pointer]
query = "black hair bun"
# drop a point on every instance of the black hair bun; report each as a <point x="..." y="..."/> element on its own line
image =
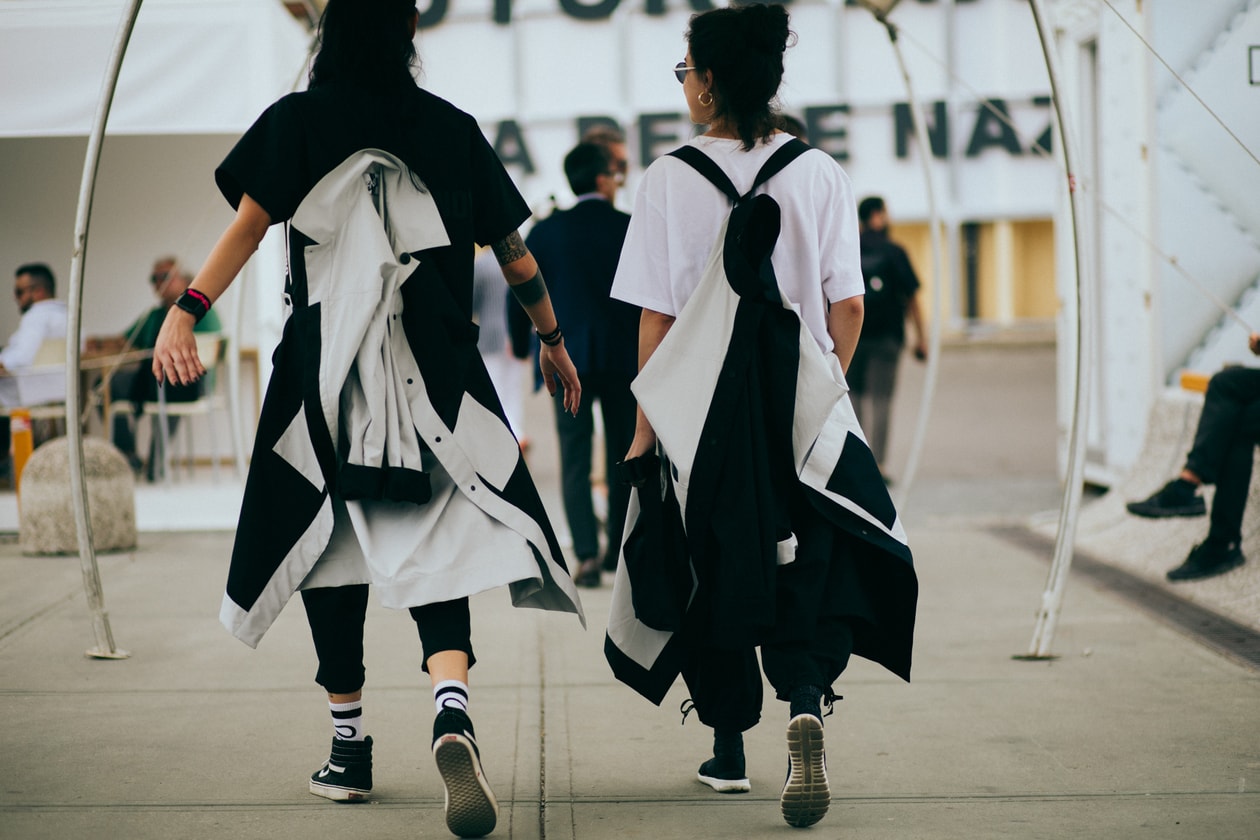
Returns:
<point x="766" y="27"/>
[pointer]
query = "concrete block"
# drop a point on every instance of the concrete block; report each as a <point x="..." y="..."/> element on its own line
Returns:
<point x="46" y="522"/>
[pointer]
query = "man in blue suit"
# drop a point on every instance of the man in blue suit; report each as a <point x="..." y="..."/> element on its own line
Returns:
<point x="577" y="250"/>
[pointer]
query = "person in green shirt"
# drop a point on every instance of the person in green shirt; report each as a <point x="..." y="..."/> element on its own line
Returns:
<point x="135" y="383"/>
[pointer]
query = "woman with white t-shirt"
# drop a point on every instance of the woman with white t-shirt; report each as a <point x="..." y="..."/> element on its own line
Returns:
<point x="834" y="590"/>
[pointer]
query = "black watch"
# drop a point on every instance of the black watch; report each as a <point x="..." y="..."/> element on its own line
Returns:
<point x="194" y="303"/>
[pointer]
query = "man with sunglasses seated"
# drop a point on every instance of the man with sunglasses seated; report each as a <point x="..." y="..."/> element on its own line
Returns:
<point x="43" y="319"/>
<point x="135" y="382"/>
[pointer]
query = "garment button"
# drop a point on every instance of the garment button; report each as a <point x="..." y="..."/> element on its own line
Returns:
<point x="437" y="439"/>
<point x="404" y="258"/>
<point x="409" y="382"/>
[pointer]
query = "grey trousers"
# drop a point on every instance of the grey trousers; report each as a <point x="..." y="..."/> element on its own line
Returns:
<point x="872" y="378"/>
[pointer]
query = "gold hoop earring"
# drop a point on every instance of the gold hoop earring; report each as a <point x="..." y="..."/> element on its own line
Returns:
<point x="701" y="97"/>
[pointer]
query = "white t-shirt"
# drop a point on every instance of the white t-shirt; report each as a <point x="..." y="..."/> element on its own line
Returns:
<point x="677" y="215"/>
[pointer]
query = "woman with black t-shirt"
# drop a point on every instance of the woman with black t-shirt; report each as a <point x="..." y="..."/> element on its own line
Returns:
<point x="382" y="456"/>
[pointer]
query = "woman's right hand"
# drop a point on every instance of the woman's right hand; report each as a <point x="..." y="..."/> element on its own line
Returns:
<point x="644" y="442"/>
<point x="175" y="352"/>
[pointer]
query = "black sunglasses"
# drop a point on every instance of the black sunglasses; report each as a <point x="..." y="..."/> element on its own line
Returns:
<point x="680" y="71"/>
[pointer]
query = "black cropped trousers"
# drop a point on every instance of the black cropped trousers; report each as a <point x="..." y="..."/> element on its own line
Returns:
<point x="337" y="614"/>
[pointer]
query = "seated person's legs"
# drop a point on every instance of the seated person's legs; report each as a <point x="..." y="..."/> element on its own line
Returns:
<point x="1222" y="551"/>
<point x="1230" y="395"/>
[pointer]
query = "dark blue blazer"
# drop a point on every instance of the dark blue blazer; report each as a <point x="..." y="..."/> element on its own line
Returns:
<point x="577" y="251"/>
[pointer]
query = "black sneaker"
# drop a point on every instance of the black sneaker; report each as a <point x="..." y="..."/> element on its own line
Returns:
<point x="1176" y="498"/>
<point x="806" y="795"/>
<point x="471" y="810"/>
<point x="1208" y="559"/>
<point x="347" y="774"/>
<point x="725" y="774"/>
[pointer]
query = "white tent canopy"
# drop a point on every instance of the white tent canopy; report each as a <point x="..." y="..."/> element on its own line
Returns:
<point x="193" y="66"/>
<point x="197" y="74"/>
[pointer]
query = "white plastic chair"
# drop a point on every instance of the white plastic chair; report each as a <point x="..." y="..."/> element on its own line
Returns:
<point x="219" y="397"/>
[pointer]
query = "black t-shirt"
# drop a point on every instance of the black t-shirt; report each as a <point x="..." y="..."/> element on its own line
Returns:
<point x="890" y="283"/>
<point x="304" y="136"/>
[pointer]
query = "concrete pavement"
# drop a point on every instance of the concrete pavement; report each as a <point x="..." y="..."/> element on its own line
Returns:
<point x="1135" y="731"/>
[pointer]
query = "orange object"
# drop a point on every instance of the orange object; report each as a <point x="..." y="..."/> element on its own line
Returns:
<point x="23" y="442"/>
<point x="1194" y="381"/>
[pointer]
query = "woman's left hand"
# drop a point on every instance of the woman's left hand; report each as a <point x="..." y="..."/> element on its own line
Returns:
<point x="175" y="357"/>
<point x="555" y="361"/>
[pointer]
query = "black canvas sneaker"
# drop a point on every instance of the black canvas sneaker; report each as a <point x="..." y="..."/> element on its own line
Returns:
<point x="347" y="774"/>
<point x="471" y="809"/>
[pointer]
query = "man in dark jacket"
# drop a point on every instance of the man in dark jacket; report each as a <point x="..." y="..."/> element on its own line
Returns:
<point x="578" y="249"/>
<point x="891" y="297"/>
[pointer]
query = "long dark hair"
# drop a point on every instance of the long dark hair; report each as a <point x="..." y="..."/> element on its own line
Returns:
<point x="366" y="42"/>
<point x="743" y="47"/>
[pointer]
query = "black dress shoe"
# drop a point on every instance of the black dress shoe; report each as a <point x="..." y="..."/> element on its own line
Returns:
<point x="1176" y="498"/>
<point x="1208" y="559"/>
<point x="587" y="574"/>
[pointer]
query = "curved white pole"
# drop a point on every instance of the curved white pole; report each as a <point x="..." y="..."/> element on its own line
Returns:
<point x="931" y="375"/>
<point x="105" y="648"/>
<point x="1056" y="582"/>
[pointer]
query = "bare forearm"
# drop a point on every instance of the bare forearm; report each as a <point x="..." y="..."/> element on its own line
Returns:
<point x="915" y="311"/>
<point x="520" y="270"/>
<point x="524" y="278"/>
<point x="234" y="248"/>
<point x="653" y="326"/>
<point x="844" y="325"/>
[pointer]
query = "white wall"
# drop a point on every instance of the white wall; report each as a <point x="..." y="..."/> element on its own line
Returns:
<point x="154" y="196"/>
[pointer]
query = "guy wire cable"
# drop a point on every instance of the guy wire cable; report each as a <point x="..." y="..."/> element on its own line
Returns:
<point x="1037" y="148"/>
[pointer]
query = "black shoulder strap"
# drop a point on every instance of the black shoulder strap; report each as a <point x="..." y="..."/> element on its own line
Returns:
<point x="782" y="156"/>
<point x="706" y="166"/>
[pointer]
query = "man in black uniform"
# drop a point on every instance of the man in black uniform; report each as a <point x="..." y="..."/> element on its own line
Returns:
<point x="891" y="295"/>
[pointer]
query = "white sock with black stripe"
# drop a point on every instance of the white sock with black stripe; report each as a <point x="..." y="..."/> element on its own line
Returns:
<point x="347" y="720"/>
<point x="451" y="694"/>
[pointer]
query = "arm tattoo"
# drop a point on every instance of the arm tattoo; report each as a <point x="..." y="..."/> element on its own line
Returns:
<point x="531" y="291"/>
<point x="510" y="249"/>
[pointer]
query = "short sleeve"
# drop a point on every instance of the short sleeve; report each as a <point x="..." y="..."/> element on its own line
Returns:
<point x="269" y="163"/>
<point x="498" y="206"/>
<point x="840" y="255"/>
<point x="643" y="275"/>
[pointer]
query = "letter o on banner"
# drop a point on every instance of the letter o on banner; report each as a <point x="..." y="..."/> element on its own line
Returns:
<point x="599" y="10"/>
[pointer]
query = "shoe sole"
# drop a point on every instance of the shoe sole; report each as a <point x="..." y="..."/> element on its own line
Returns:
<point x="1167" y="513"/>
<point x="806" y="794"/>
<point x="1208" y="573"/>
<point x="471" y="809"/>
<point x="725" y="785"/>
<point x="340" y="794"/>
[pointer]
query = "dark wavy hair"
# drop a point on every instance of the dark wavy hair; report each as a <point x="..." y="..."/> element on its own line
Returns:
<point x="365" y="42"/>
<point x="743" y="46"/>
